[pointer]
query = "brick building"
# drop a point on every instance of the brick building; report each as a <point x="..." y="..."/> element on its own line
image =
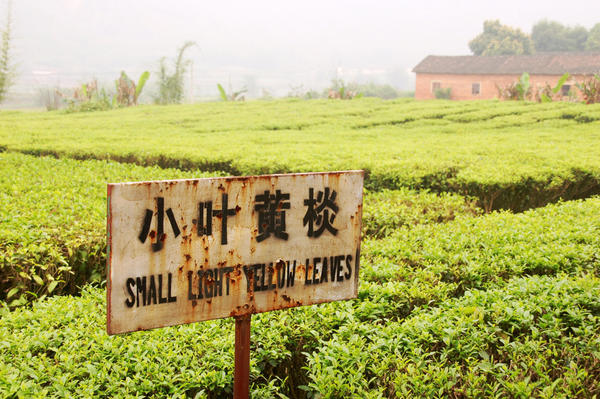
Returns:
<point x="473" y="77"/>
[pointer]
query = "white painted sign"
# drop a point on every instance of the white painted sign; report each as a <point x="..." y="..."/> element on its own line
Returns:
<point x="182" y="251"/>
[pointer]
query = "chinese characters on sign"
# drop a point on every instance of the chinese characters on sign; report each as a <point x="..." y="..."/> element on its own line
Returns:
<point x="230" y="246"/>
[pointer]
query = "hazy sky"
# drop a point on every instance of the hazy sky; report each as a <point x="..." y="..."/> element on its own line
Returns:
<point x="268" y="44"/>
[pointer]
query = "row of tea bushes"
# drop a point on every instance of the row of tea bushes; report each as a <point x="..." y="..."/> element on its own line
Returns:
<point x="429" y="264"/>
<point x="558" y="237"/>
<point x="53" y="213"/>
<point x="388" y="210"/>
<point x="536" y="337"/>
<point x="371" y="346"/>
<point x="509" y="155"/>
<point x="392" y="290"/>
<point x="53" y="231"/>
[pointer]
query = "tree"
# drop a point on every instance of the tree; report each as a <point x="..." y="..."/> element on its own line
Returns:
<point x="6" y="72"/>
<point x="593" y="40"/>
<point x="170" y="89"/>
<point x="553" y="36"/>
<point x="498" y="39"/>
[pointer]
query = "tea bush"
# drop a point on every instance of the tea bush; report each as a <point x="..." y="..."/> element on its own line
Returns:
<point x="538" y="336"/>
<point x="53" y="231"/>
<point x="508" y="155"/>
<point x="559" y="237"/>
<point x="418" y="329"/>
<point x="386" y="211"/>
<point x="429" y="264"/>
<point x="534" y="336"/>
<point x="53" y="214"/>
<point x="452" y="303"/>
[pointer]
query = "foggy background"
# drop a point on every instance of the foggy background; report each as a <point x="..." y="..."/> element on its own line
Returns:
<point x="266" y="46"/>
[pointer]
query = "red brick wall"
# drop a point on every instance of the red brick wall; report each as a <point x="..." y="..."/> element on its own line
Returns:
<point x="461" y="85"/>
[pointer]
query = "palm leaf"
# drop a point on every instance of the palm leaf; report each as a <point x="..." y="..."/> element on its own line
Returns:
<point x="141" y="82"/>
<point x="560" y="83"/>
<point x="222" y="92"/>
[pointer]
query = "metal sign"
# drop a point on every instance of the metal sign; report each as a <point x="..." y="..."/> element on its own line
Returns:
<point x="182" y="251"/>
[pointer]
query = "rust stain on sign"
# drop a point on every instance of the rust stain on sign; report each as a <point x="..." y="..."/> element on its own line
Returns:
<point x="182" y="251"/>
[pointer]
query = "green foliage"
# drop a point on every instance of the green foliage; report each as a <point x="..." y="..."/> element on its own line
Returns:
<point x="341" y="91"/>
<point x="590" y="89"/>
<point x="535" y="337"/>
<point x="523" y="91"/>
<point x="547" y="93"/>
<point x="509" y="155"/>
<point x="498" y="39"/>
<point x="141" y="83"/>
<point x="478" y="252"/>
<point x="302" y="93"/>
<point x="519" y="91"/>
<point x="385" y="91"/>
<point x="6" y="67"/>
<point x="452" y="302"/>
<point x="50" y="98"/>
<point x="502" y="304"/>
<point x="386" y="211"/>
<point x="171" y="83"/>
<point x="128" y="92"/>
<point x="53" y="235"/>
<point x="53" y="222"/>
<point x="443" y="93"/>
<point x="88" y="98"/>
<point x="222" y="92"/>
<point x="523" y="86"/>
<point x="233" y="95"/>
<point x="593" y="40"/>
<point x="554" y="36"/>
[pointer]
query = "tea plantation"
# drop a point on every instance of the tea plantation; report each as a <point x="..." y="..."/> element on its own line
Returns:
<point x="480" y="265"/>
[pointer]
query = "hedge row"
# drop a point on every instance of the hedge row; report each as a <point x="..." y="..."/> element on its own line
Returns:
<point x="421" y="326"/>
<point x="537" y="336"/>
<point x="53" y="230"/>
<point x="509" y="155"/>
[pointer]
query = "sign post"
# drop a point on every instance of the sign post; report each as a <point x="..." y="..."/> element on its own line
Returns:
<point x="182" y="251"/>
<point x="241" y="377"/>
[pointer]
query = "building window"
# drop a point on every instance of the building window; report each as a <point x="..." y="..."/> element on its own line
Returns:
<point x="565" y="89"/>
<point x="435" y="86"/>
<point x="475" y="89"/>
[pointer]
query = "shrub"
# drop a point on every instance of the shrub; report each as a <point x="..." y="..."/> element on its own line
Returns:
<point x="443" y="93"/>
<point x="53" y="230"/>
<point x="590" y="89"/>
<point x="535" y="337"/>
<point x="486" y="301"/>
<point x="50" y="98"/>
<point x="386" y="211"/>
<point x="508" y="155"/>
<point x="128" y="92"/>
<point x="170" y="84"/>
<point x="339" y="90"/>
<point x="88" y="98"/>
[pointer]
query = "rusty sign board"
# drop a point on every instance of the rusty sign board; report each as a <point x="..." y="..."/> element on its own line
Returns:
<point x="181" y="251"/>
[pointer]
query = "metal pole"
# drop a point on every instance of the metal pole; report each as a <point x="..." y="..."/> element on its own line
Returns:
<point x="241" y="377"/>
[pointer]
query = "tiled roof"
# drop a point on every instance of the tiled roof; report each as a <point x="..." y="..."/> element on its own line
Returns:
<point x="575" y="63"/>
